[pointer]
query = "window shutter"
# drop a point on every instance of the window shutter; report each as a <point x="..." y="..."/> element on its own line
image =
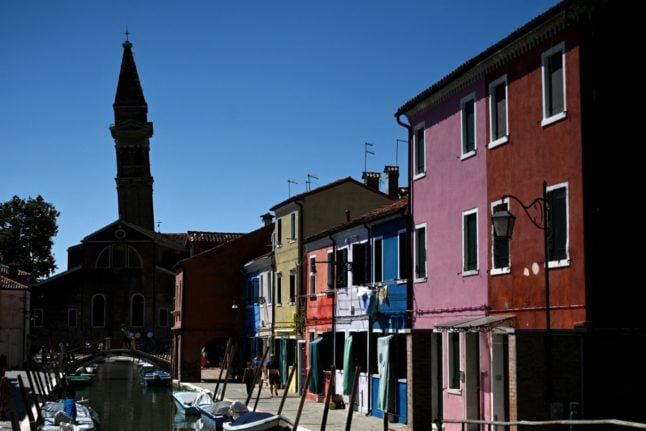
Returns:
<point x="469" y="127"/>
<point x="557" y="234"/>
<point x="330" y="271"/>
<point x="500" y="246"/>
<point x="378" y="265"/>
<point x="501" y="111"/>
<point x="556" y="83"/>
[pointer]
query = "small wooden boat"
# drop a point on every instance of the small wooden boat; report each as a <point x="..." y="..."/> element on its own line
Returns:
<point x="91" y="368"/>
<point x="157" y="378"/>
<point x="259" y="421"/>
<point x="185" y="402"/>
<point x="214" y="414"/>
<point x="53" y="415"/>
<point x="79" y="379"/>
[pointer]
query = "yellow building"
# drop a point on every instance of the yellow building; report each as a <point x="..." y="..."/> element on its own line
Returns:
<point x="299" y="217"/>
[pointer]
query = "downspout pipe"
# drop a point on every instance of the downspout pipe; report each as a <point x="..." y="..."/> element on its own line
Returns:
<point x="300" y="294"/>
<point x="409" y="220"/>
<point x="409" y="230"/>
<point x="334" y="292"/>
<point x="372" y="278"/>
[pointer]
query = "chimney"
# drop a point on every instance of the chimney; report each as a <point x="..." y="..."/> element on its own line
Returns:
<point x="267" y="219"/>
<point x="392" y="179"/>
<point x="371" y="179"/>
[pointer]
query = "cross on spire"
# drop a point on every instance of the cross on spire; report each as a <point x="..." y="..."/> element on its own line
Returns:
<point x="127" y="33"/>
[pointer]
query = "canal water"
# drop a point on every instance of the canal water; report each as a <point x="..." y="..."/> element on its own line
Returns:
<point x="124" y="402"/>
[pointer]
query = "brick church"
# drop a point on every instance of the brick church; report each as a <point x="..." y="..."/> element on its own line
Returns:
<point x="119" y="282"/>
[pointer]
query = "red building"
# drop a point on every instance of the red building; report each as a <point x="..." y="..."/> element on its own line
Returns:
<point x="206" y="287"/>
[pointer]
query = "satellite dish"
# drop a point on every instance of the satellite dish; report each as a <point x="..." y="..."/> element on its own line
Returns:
<point x="149" y="334"/>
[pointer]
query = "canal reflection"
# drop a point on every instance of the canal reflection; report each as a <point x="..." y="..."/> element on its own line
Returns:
<point x="124" y="402"/>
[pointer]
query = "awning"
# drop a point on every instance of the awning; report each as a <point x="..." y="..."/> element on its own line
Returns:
<point x="476" y="324"/>
<point x="316" y="378"/>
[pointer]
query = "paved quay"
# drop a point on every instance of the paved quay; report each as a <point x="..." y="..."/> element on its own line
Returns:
<point x="310" y="420"/>
<point x="312" y="414"/>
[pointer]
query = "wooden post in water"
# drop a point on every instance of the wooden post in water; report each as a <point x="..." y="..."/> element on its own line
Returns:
<point x="353" y="399"/>
<point x="289" y="382"/>
<point x="36" y="393"/>
<point x="229" y="364"/>
<point x="41" y="386"/>
<point x="217" y="385"/>
<point x="25" y="401"/>
<point x="257" y="378"/>
<point x="300" y="405"/>
<point x="330" y="389"/>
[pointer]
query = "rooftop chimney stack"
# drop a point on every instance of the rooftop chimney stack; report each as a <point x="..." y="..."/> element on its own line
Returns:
<point x="371" y="179"/>
<point x="267" y="219"/>
<point x="392" y="179"/>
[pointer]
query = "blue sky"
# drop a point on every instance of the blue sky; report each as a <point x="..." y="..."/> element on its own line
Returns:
<point x="243" y="95"/>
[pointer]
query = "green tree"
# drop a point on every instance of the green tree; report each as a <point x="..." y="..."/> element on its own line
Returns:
<point x="27" y="229"/>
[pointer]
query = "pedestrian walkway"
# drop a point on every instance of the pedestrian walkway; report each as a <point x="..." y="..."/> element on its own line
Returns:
<point x="310" y="420"/>
<point x="312" y="414"/>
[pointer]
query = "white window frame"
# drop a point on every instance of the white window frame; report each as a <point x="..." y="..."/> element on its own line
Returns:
<point x="78" y="314"/>
<point x="105" y="310"/>
<point x="422" y="174"/>
<point x="168" y="317"/>
<point x="506" y="269"/>
<point x="38" y="322"/>
<point x="399" y="261"/>
<point x="279" y="294"/>
<point x="469" y="98"/>
<point x="465" y="214"/>
<point x="415" y="252"/>
<point x="330" y="257"/>
<point x="503" y="139"/>
<point x="374" y="259"/>
<point x="292" y="227"/>
<point x="132" y="311"/>
<point x="544" y="58"/>
<point x="450" y="356"/>
<point x="312" y="280"/>
<point x="292" y="273"/>
<point x="270" y="292"/>
<point x="563" y="262"/>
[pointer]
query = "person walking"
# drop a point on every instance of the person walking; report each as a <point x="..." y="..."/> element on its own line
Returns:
<point x="249" y="377"/>
<point x="273" y="372"/>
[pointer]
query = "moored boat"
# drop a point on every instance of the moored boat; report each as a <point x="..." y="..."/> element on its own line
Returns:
<point x="157" y="378"/>
<point x="186" y="402"/>
<point x="214" y="414"/>
<point x="259" y="421"/>
<point x="79" y="379"/>
<point x="54" y="416"/>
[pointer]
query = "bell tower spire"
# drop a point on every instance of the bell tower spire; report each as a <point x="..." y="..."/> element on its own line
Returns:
<point x="131" y="132"/>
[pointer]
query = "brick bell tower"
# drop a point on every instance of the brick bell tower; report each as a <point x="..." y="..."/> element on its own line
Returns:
<point x="131" y="132"/>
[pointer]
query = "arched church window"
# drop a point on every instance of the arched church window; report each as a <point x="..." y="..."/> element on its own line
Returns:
<point x="134" y="258"/>
<point x="98" y="311"/>
<point x="119" y="255"/>
<point x="104" y="259"/>
<point x="137" y="310"/>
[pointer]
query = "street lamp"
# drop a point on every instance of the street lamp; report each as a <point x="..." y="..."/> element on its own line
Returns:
<point x="503" y="226"/>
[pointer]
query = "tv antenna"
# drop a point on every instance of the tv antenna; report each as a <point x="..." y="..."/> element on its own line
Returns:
<point x="158" y="223"/>
<point x="289" y="187"/>
<point x="366" y="151"/>
<point x="308" y="182"/>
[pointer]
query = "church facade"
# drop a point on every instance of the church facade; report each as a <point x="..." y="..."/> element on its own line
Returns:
<point x="119" y="283"/>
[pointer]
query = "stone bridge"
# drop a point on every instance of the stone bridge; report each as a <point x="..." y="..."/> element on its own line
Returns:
<point x="75" y="360"/>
